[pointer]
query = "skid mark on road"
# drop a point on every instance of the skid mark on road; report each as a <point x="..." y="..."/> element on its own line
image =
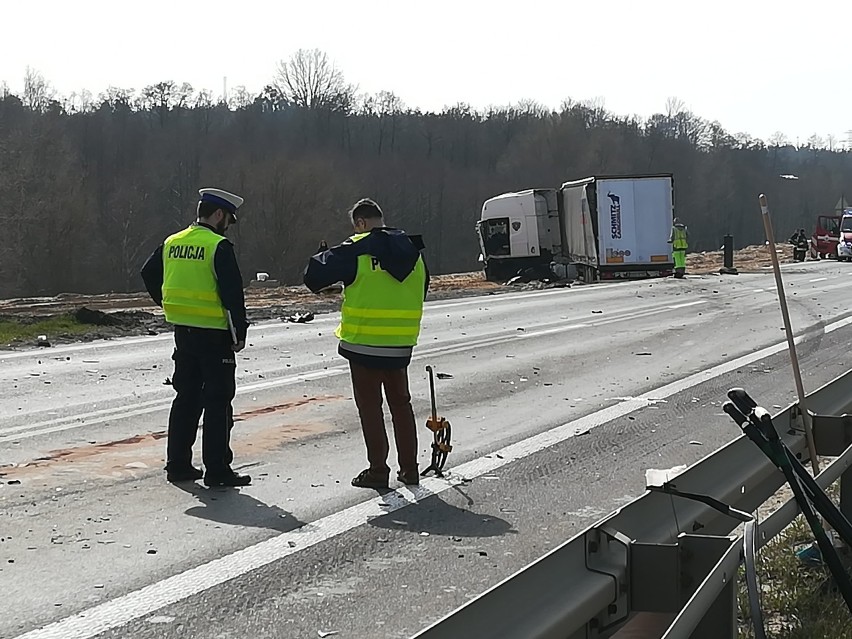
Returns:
<point x="260" y="430"/>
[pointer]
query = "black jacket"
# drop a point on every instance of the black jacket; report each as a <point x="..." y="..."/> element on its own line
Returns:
<point x="395" y="252"/>
<point x="228" y="276"/>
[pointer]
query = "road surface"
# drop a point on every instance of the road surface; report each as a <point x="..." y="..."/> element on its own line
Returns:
<point x="559" y="401"/>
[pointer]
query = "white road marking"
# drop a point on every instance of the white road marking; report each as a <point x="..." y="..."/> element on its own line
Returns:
<point x="59" y="424"/>
<point x="818" y="279"/>
<point x="325" y="318"/>
<point x="134" y="605"/>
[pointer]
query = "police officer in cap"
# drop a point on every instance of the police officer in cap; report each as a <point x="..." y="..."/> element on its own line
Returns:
<point x="195" y="277"/>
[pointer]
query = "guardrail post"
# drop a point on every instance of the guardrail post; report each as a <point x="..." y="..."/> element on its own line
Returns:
<point x="699" y="554"/>
<point x="607" y="552"/>
<point x="832" y="435"/>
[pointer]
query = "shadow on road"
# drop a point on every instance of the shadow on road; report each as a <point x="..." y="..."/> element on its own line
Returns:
<point x="235" y="508"/>
<point x="436" y="517"/>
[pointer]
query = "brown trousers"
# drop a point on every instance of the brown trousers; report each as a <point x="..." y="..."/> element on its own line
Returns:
<point x="367" y="386"/>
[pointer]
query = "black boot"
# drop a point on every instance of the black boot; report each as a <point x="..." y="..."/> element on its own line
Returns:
<point x="228" y="478"/>
<point x="176" y="474"/>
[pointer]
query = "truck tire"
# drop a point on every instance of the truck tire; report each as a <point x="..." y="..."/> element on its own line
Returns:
<point x="500" y="270"/>
<point x="489" y="274"/>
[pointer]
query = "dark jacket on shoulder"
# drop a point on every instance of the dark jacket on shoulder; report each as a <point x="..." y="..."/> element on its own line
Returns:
<point x="397" y="254"/>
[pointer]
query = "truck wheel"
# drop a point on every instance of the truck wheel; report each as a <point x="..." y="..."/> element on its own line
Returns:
<point x="590" y="275"/>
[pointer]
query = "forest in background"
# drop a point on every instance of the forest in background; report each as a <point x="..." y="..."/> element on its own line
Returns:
<point x="89" y="185"/>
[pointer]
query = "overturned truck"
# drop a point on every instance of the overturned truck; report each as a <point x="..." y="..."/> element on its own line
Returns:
<point x="602" y="227"/>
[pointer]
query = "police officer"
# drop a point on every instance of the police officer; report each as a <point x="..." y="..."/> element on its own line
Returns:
<point x="385" y="282"/>
<point x="195" y="277"/>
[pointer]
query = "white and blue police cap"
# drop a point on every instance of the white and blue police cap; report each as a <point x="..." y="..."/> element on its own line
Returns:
<point x="228" y="201"/>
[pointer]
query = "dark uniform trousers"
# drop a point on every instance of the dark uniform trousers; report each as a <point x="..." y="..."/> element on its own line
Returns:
<point x="205" y="381"/>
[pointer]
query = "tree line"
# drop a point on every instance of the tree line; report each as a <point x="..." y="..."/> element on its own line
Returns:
<point x="89" y="186"/>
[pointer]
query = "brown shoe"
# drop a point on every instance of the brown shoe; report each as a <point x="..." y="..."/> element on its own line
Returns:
<point x="409" y="477"/>
<point x="370" y="479"/>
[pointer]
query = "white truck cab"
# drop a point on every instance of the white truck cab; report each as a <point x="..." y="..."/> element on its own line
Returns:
<point x="515" y="227"/>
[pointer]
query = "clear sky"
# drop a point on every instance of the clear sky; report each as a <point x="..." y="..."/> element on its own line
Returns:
<point x="757" y="66"/>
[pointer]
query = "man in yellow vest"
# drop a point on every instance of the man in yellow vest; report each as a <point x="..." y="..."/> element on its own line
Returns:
<point x="195" y="277"/>
<point x="678" y="240"/>
<point x="385" y="281"/>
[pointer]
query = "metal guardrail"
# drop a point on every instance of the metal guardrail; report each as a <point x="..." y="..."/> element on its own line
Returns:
<point x="660" y="553"/>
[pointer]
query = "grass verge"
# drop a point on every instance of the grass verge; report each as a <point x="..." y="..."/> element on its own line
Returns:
<point x="14" y="330"/>
<point x="798" y="602"/>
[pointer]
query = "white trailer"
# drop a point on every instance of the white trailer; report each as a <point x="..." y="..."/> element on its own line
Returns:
<point x="619" y="226"/>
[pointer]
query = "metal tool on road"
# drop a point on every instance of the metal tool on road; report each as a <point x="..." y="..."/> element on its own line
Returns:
<point x="756" y="424"/>
<point x="441" y="431"/>
<point x="791" y="342"/>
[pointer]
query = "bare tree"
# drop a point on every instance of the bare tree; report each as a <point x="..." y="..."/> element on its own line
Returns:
<point x="4" y="90"/>
<point x="530" y="108"/>
<point x="816" y="142"/>
<point x="831" y="140"/>
<point x="183" y="96"/>
<point x="388" y="103"/>
<point x="38" y="93"/>
<point x="674" y="106"/>
<point x="161" y="98"/>
<point x="778" y="139"/>
<point x="116" y="98"/>
<point x="271" y="98"/>
<point x="78" y="102"/>
<point x="240" y="98"/>
<point x="310" y="80"/>
<point x="204" y="99"/>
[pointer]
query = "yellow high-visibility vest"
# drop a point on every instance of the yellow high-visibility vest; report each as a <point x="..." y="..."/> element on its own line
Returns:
<point x="378" y="309"/>
<point x="190" y="290"/>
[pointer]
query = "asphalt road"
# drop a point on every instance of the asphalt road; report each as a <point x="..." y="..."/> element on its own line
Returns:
<point x="559" y="401"/>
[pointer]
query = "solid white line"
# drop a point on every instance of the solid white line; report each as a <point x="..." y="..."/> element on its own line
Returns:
<point x="685" y="304"/>
<point x="818" y="279"/>
<point x="134" y="605"/>
<point x="60" y="424"/>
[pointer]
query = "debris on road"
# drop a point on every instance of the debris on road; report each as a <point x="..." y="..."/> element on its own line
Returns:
<point x="298" y="318"/>
<point x="658" y="476"/>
